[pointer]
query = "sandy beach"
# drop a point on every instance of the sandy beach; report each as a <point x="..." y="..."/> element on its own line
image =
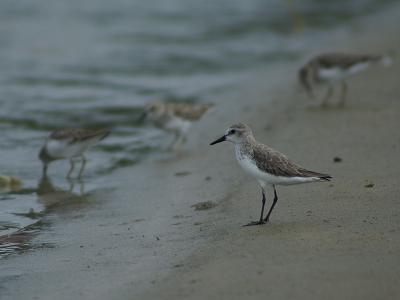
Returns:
<point x="337" y="240"/>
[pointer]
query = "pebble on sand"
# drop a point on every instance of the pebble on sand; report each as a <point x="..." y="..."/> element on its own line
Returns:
<point x="205" y="205"/>
<point x="369" y="183"/>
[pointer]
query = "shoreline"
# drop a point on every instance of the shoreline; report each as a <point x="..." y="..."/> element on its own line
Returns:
<point x="321" y="236"/>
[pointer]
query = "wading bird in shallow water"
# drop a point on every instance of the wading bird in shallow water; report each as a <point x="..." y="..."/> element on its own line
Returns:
<point x="335" y="67"/>
<point x="175" y="117"/>
<point x="266" y="165"/>
<point x="69" y="143"/>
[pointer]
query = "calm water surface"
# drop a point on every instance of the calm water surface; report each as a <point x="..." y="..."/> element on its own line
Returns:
<point x="95" y="63"/>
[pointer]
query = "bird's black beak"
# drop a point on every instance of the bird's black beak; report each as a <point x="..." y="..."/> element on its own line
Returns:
<point x="221" y="139"/>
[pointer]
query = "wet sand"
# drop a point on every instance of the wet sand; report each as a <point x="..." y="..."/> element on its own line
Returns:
<point x="338" y="240"/>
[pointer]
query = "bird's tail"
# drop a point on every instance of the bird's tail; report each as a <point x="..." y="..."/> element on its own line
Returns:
<point x="325" y="178"/>
<point x="205" y="108"/>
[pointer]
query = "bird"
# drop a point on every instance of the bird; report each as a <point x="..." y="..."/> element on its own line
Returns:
<point x="68" y="144"/>
<point x="174" y="117"/>
<point x="266" y="165"/>
<point x="335" y="67"/>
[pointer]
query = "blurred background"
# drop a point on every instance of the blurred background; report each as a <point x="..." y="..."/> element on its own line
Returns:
<point x="95" y="64"/>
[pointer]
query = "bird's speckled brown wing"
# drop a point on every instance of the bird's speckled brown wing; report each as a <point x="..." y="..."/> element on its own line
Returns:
<point x="78" y="134"/>
<point x="190" y="112"/>
<point x="344" y="60"/>
<point x="274" y="162"/>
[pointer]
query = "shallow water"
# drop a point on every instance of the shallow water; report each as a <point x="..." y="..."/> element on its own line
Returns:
<point x="94" y="64"/>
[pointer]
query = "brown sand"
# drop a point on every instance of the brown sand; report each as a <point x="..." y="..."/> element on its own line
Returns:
<point x="324" y="241"/>
<point x="337" y="240"/>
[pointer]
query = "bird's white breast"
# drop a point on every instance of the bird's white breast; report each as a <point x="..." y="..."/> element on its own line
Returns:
<point x="177" y="124"/>
<point x="337" y="73"/>
<point x="331" y="74"/>
<point x="65" y="149"/>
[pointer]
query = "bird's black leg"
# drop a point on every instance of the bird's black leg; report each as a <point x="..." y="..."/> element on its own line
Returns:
<point x="272" y="207"/>
<point x="44" y="170"/>
<point x="262" y="212"/>
<point x="328" y="95"/>
<point x="72" y="167"/>
<point x="83" y="167"/>
<point x="343" y="94"/>
<point x="176" y="138"/>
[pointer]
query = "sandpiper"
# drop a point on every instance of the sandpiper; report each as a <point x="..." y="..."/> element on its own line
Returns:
<point x="175" y="117"/>
<point x="334" y="67"/>
<point x="266" y="165"/>
<point x="69" y="143"/>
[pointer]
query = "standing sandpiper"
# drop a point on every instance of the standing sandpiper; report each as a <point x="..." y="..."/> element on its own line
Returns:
<point x="175" y="117"/>
<point x="266" y="165"/>
<point x="334" y="67"/>
<point x="69" y="143"/>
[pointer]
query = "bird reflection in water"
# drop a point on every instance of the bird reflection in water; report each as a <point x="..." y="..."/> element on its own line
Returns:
<point x="58" y="200"/>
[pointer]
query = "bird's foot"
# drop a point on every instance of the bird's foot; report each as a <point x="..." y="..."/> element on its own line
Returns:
<point x="262" y="222"/>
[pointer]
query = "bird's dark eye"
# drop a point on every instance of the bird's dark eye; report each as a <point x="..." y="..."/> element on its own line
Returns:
<point x="233" y="131"/>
